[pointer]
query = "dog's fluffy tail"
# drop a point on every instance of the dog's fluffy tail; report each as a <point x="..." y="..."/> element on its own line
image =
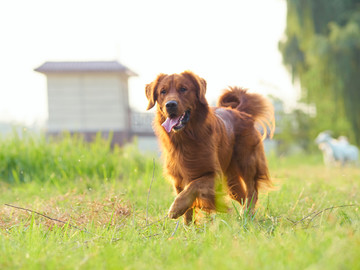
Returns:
<point x="253" y="104"/>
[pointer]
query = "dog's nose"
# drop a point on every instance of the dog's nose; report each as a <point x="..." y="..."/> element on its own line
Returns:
<point x="171" y="105"/>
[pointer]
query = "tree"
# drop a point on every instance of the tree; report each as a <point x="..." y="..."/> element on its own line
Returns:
<point x="322" y="51"/>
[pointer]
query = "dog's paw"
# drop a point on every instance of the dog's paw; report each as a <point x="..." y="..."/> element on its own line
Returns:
<point x="176" y="210"/>
<point x="173" y="215"/>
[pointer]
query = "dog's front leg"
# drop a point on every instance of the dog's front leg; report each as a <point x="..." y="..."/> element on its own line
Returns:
<point x="188" y="216"/>
<point x="201" y="188"/>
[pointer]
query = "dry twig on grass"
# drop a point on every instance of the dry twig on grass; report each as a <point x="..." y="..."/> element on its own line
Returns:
<point x="315" y="214"/>
<point x="147" y="201"/>
<point x="45" y="216"/>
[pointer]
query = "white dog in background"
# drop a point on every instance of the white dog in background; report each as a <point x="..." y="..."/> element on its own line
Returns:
<point x="337" y="150"/>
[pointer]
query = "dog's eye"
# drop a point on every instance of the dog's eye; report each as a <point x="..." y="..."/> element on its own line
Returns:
<point x="163" y="92"/>
<point x="183" y="89"/>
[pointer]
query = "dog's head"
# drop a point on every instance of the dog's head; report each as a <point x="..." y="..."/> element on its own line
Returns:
<point x="177" y="96"/>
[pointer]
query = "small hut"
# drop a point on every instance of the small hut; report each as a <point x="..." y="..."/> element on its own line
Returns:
<point x="87" y="98"/>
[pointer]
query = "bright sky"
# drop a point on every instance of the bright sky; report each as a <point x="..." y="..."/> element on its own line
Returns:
<point x="226" y="42"/>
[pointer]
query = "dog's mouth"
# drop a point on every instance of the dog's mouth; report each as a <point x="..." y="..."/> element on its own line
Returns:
<point x="176" y="123"/>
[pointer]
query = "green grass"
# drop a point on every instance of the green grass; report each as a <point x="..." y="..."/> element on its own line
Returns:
<point x="310" y="221"/>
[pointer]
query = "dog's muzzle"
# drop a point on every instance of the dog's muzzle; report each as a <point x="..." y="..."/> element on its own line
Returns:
<point x="171" y="107"/>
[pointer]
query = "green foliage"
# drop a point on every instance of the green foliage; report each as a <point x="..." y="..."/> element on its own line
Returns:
<point x="295" y="130"/>
<point x="33" y="158"/>
<point x="322" y="50"/>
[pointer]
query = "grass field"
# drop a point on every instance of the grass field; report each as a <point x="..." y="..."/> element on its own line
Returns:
<point x="109" y="218"/>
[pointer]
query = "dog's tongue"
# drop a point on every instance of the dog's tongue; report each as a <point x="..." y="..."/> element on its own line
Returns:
<point x="170" y="123"/>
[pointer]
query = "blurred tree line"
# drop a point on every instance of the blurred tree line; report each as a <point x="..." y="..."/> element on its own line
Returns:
<point x="322" y="51"/>
<point x="293" y="129"/>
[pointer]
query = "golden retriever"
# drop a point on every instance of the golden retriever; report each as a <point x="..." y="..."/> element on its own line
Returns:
<point x="201" y="144"/>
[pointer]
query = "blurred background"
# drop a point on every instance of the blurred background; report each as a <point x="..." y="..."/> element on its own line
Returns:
<point x="82" y="66"/>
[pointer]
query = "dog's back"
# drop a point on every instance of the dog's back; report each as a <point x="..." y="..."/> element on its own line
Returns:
<point x="248" y="166"/>
<point x="258" y="107"/>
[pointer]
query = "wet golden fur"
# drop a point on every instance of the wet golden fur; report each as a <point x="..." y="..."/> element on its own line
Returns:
<point x="216" y="143"/>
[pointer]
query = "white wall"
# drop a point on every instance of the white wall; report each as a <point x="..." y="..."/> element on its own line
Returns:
<point x="87" y="102"/>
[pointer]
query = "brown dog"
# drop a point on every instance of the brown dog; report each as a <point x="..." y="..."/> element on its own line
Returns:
<point x="201" y="144"/>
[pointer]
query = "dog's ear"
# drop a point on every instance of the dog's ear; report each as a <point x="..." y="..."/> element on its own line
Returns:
<point x="200" y="85"/>
<point x="150" y="90"/>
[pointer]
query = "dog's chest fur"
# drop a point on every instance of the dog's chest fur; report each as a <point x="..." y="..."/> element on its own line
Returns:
<point x="186" y="161"/>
